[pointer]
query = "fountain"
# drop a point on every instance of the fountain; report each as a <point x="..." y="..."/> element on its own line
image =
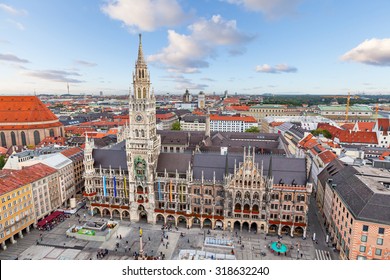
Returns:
<point x="278" y="247"/>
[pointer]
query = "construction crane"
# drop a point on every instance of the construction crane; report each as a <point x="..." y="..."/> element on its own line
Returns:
<point x="347" y="107"/>
<point x="376" y="110"/>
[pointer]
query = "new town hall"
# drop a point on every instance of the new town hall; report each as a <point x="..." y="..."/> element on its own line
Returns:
<point x="230" y="181"/>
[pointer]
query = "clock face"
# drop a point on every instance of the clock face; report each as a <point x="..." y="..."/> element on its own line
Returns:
<point x="138" y="118"/>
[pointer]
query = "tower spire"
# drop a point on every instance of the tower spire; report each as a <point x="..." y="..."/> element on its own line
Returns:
<point x="140" y="52"/>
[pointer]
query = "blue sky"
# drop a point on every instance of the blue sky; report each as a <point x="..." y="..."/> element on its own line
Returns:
<point x="243" y="46"/>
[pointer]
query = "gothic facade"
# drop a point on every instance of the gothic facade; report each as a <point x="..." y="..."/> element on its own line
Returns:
<point x="138" y="180"/>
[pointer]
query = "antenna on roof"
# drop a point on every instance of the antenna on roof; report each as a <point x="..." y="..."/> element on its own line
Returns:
<point x="67" y="84"/>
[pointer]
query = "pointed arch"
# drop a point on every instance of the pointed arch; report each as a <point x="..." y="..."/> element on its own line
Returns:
<point x="13" y="138"/>
<point x="144" y="93"/>
<point x="23" y="136"/>
<point x="139" y="93"/>
<point x="51" y="132"/>
<point x="3" y="140"/>
<point x="37" y="137"/>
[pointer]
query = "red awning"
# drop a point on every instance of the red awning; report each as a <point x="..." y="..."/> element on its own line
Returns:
<point x="50" y="218"/>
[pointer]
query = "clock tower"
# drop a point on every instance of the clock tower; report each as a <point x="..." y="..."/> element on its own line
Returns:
<point x="142" y="143"/>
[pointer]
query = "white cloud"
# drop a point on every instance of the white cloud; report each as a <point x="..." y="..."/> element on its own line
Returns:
<point x="277" y="69"/>
<point x="17" y="24"/>
<point x="85" y="63"/>
<point x="55" y="75"/>
<point x="145" y="15"/>
<point x="182" y="83"/>
<point x="13" y="58"/>
<point x="189" y="53"/>
<point x="11" y="10"/>
<point x="270" y="8"/>
<point x="373" y="52"/>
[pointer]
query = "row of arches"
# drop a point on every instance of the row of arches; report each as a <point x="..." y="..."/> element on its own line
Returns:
<point x="247" y="195"/>
<point x="141" y="94"/>
<point x="238" y="207"/>
<point x="139" y="133"/>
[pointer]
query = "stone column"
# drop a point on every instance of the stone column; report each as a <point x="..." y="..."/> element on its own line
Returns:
<point x="13" y="241"/>
<point x="292" y="231"/>
<point x="304" y="233"/>
<point x="28" y="229"/>
<point x="280" y="229"/>
<point x="141" y="251"/>
<point x="20" y="234"/>
<point x="3" y="246"/>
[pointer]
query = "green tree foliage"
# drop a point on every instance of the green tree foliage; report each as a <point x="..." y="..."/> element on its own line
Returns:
<point x="176" y="126"/>
<point x="324" y="132"/>
<point x="2" y="162"/>
<point x="253" y="129"/>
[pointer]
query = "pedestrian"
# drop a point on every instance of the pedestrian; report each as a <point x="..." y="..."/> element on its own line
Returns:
<point x="120" y="236"/>
<point x="301" y="255"/>
<point x="149" y="238"/>
<point x="188" y="240"/>
<point x="127" y="242"/>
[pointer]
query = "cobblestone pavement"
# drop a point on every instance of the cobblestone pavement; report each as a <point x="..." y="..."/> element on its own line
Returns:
<point x="56" y="245"/>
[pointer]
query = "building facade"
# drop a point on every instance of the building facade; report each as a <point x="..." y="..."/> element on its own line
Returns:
<point x="25" y="121"/>
<point x="16" y="208"/>
<point x="142" y="180"/>
<point x="360" y="221"/>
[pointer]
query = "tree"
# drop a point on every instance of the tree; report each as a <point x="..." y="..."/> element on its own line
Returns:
<point x="253" y="129"/>
<point x="2" y="162"/>
<point x="176" y="126"/>
<point x="324" y="132"/>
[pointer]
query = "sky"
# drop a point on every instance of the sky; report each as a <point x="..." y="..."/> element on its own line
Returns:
<point x="242" y="46"/>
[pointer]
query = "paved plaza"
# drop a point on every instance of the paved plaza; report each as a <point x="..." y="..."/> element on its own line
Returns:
<point x="55" y="244"/>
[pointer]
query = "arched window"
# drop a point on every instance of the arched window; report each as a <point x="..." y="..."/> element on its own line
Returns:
<point x="37" y="137"/>
<point x="143" y="133"/>
<point x="139" y="93"/>
<point x="13" y="138"/>
<point x="144" y="92"/>
<point x="3" y="141"/>
<point x="136" y="133"/>
<point x="23" y="136"/>
<point x="139" y="74"/>
<point x="143" y="74"/>
<point x="62" y="132"/>
<point x="51" y="132"/>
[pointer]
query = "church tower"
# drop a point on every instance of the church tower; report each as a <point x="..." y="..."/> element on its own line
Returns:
<point x="142" y="143"/>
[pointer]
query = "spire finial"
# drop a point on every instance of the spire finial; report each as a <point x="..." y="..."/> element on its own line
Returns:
<point x="140" y="52"/>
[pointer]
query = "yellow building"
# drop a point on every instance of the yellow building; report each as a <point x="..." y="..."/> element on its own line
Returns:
<point x="16" y="208"/>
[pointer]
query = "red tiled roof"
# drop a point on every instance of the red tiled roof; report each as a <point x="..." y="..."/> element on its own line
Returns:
<point x="384" y="125"/>
<point x="52" y="140"/>
<point x="348" y="126"/>
<point x="237" y="108"/>
<point x="327" y="156"/>
<point x="350" y="136"/>
<point x="71" y="152"/>
<point x="21" y="109"/>
<point x="305" y="139"/>
<point x="231" y="100"/>
<point x="366" y="126"/>
<point x="273" y="124"/>
<point x="232" y="118"/>
<point x="385" y="154"/>
<point x="13" y="179"/>
<point x="165" y="116"/>
<point x="199" y="113"/>
<point x="3" y="150"/>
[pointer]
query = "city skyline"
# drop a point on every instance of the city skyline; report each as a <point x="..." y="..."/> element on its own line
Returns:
<point x="248" y="47"/>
